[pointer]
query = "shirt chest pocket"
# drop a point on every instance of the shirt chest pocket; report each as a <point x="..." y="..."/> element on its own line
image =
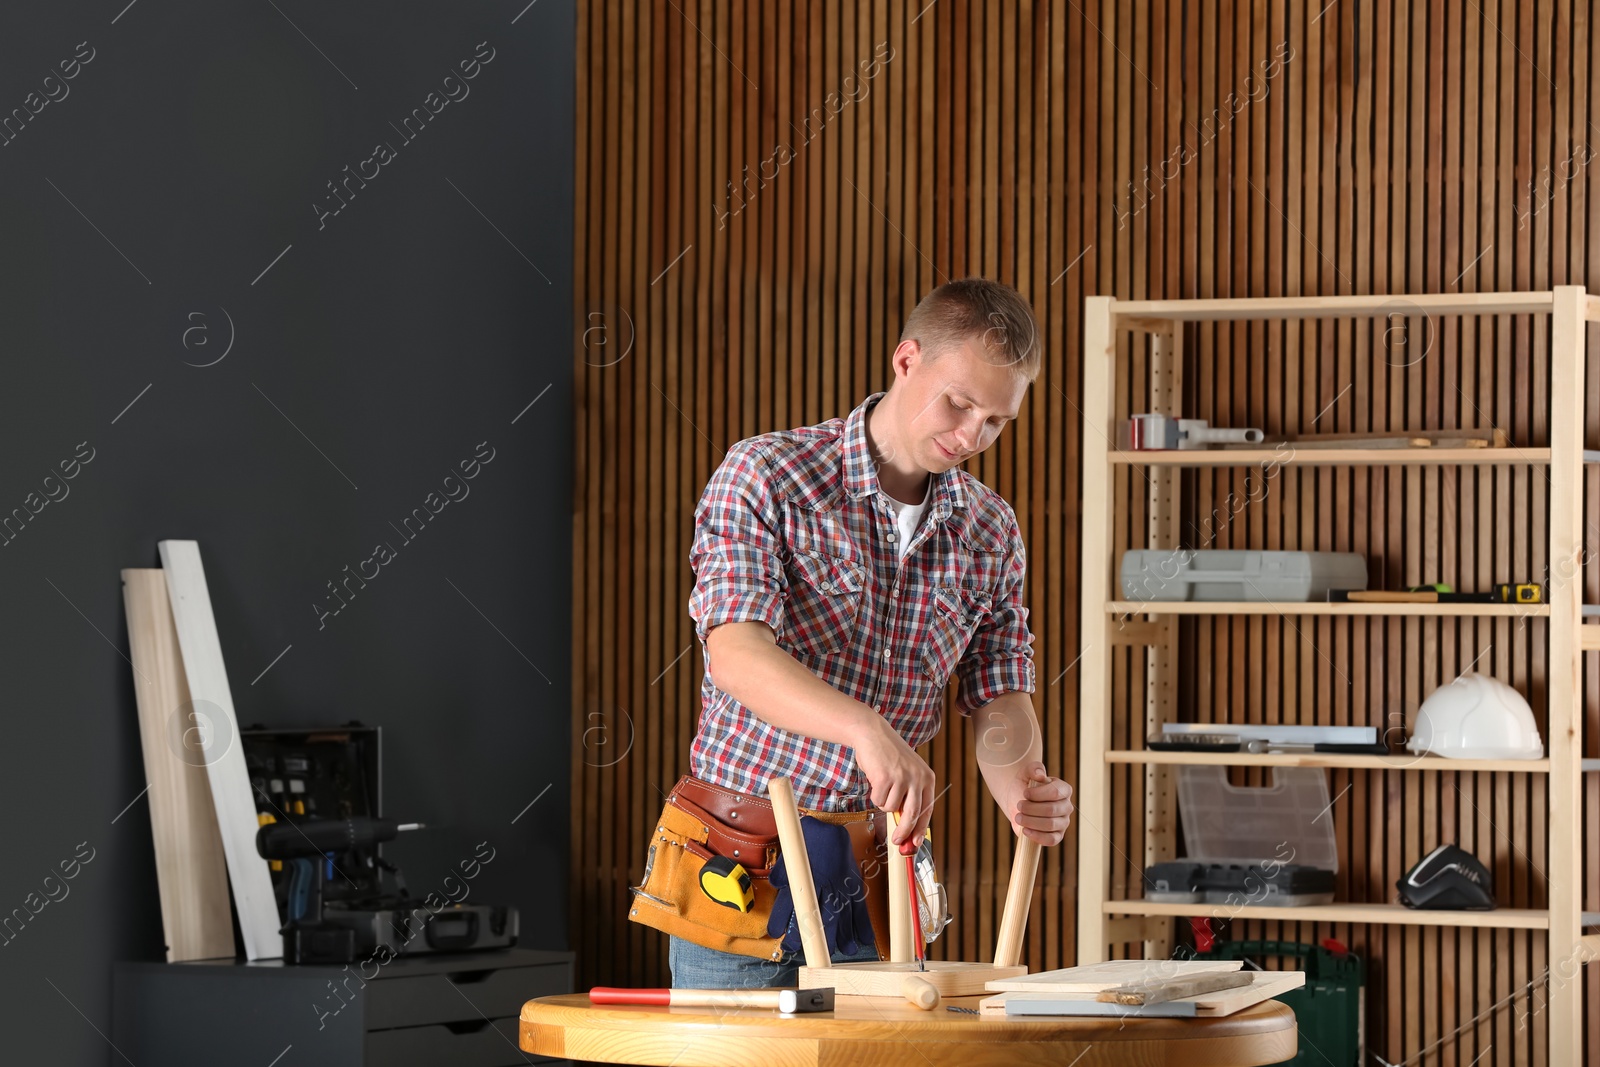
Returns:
<point x="825" y="594"/>
<point x="958" y="611"/>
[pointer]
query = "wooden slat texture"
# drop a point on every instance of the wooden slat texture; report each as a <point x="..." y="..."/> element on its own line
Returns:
<point x="1154" y="150"/>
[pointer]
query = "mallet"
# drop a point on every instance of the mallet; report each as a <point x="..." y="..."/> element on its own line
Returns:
<point x="787" y="1001"/>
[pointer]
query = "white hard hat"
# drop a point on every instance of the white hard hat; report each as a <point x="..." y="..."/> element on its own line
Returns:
<point x="1476" y="717"/>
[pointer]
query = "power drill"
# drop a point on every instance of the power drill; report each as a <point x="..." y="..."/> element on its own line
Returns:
<point x="308" y="846"/>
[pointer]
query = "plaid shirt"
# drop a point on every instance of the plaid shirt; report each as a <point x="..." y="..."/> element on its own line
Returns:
<point x="793" y="531"/>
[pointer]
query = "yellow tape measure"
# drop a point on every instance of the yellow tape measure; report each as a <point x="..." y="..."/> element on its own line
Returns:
<point x="727" y="883"/>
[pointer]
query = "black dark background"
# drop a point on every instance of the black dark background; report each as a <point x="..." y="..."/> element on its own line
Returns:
<point x="370" y="358"/>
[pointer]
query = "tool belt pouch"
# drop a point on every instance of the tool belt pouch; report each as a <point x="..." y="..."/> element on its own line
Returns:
<point x="700" y="821"/>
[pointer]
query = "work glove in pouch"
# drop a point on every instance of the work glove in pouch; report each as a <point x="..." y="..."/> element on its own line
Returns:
<point x="841" y="892"/>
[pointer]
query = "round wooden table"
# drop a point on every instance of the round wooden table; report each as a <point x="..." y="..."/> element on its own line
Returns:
<point x="888" y="1032"/>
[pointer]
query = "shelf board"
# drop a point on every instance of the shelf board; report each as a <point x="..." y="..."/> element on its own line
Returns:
<point x="1327" y="457"/>
<point x="1330" y="759"/>
<point x="1315" y="607"/>
<point x="1335" y="307"/>
<point x="1589" y="638"/>
<point x="1381" y="914"/>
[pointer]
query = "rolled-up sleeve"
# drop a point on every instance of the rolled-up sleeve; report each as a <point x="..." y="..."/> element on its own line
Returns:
<point x="737" y="553"/>
<point x="999" y="658"/>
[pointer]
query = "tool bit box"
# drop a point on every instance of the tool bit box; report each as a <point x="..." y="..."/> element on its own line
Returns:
<point x="1210" y="574"/>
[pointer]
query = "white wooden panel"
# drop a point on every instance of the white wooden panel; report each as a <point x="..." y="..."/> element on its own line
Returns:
<point x="224" y="759"/>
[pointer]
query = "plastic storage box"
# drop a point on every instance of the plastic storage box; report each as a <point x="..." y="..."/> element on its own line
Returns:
<point x="1267" y="846"/>
<point x="1238" y="574"/>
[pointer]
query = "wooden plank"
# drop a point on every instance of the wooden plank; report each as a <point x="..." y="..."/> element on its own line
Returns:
<point x="1254" y="987"/>
<point x="1094" y="977"/>
<point x="1093" y="793"/>
<point x="191" y="870"/>
<point x="230" y="782"/>
<point x="1163" y="529"/>
<point x="1565" y="735"/>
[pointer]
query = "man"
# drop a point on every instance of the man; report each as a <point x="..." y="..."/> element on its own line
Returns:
<point x="846" y="572"/>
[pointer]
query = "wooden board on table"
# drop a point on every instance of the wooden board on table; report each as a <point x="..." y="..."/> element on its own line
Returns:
<point x="191" y="872"/>
<point x="1145" y="994"/>
<point x="223" y="756"/>
<point x="950" y="977"/>
<point x="1264" y="986"/>
<point x="1096" y="977"/>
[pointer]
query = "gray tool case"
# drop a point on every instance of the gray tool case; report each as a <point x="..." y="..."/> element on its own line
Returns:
<point x="1213" y="574"/>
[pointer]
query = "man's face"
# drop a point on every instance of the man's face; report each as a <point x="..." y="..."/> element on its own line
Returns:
<point x="955" y="404"/>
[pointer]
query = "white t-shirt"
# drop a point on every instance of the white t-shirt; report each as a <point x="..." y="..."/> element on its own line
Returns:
<point x="908" y="516"/>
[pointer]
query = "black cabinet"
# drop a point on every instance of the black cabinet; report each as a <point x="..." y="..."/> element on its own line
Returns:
<point x="422" y="1011"/>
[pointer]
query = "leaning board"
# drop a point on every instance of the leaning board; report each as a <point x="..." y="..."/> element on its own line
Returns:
<point x="190" y="870"/>
<point x="230" y="781"/>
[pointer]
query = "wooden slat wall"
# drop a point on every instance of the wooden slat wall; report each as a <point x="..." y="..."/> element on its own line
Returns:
<point x="1391" y="150"/>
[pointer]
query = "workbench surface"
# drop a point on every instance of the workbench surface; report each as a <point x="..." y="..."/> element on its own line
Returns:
<point x="866" y="1031"/>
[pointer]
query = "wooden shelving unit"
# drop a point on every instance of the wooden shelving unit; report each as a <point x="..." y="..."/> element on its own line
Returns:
<point x="1110" y="626"/>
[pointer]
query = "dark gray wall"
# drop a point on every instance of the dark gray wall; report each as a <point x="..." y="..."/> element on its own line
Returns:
<point x="154" y="196"/>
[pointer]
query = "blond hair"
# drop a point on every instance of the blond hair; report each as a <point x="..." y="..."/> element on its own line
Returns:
<point x="992" y="312"/>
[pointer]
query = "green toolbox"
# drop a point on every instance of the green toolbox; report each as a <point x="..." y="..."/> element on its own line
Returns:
<point x="1328" y="1010"/>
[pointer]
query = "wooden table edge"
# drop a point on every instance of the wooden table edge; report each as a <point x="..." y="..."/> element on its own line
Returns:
<point x="544" y="1025"/>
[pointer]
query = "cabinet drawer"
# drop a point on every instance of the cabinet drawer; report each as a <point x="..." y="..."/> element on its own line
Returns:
<point x="483" y="1044"/>
<point x="460" y="996"/>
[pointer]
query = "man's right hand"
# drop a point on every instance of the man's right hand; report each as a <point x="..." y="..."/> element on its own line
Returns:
<point x="901" y="780"/>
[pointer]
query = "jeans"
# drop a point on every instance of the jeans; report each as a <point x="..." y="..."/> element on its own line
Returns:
<point x="696" y="967"/>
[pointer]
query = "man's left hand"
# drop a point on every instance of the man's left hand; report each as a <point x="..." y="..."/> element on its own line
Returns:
<point x="1039" y="806"/>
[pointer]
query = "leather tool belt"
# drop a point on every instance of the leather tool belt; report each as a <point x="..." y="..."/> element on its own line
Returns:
<point x="701" y="821"/>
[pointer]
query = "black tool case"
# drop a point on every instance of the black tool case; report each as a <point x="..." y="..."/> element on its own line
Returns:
<point x="337" y="773"/>
<point x="1253" y="885"/>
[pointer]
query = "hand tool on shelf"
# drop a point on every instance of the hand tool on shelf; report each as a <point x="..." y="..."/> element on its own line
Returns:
<point x="1441" y="593"/>
<point x="1151" y="432"/>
